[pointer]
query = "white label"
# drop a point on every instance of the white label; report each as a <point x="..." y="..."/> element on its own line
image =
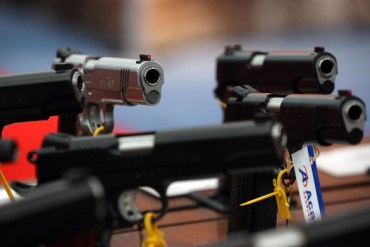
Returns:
<point x="308" y="184"/>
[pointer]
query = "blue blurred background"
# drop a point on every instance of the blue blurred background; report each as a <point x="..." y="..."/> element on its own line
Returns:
<point x="185" y="37"/>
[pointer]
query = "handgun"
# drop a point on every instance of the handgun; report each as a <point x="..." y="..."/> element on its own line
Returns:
<point x="277" y="71"/>
<point x="155" y="159"/>
<point x="307" y="118"/>
<point x="113" y="81"/>
<point x="56" y="210"/>
<point x="37" y="96"/>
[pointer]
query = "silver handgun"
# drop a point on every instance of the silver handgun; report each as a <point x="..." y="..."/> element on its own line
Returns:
<point x="113" y="81"/>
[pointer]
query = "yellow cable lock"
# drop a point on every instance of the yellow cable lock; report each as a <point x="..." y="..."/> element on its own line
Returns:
<point x="154" y="237"/>
<point x="98" y="130"/>
<point x="6" y="186"/>
<point x="222" y="104"/>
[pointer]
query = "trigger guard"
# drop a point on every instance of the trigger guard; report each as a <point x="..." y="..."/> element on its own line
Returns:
<point x="129" y="211"/>
<point x="93" y="116"/>
<point x="128" y="208"/>
<point x="162" y="191"/>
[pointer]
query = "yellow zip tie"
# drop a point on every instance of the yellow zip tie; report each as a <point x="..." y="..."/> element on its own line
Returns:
<point x="280" y="195"/>
<point x="6" y="186"/>
<point x="98" y="130"/>
<point x="154" y="237"/>
<point x="222" y="103"/>
<point x="259" y="199"/>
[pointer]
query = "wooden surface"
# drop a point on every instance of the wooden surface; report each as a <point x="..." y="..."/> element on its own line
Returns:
<point x="190" y="224"/>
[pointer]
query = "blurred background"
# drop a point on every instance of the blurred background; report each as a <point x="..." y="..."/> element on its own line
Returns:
<point x="185" y="36"/>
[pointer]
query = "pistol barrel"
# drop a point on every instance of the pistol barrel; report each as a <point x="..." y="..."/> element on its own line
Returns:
<point x="277" y="72"/>
<point x="119" y="81"/>
<point x="323" y="119"/>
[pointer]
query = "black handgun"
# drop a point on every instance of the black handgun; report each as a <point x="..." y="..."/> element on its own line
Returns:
<point x="113" y="81"/>
<point x="276" y="72"/>
<point x="56" y="210"/>
<point x="307" y="119"/>
<point x="37" y="96"/>
<point x="124" y="162"/>
<point x="316" y="119"/>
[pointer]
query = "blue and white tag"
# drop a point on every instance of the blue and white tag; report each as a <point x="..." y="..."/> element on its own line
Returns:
<point x="308" y="184"/>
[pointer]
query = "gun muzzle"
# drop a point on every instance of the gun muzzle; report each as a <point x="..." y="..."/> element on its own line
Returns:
<point x="322" y="119"/>
<point x="37" y="96"/>
<point x="118" y="81"/>
<point x="278" y="71"/>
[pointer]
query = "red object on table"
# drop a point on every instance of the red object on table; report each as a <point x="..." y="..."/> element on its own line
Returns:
<point x="29" y="136"/>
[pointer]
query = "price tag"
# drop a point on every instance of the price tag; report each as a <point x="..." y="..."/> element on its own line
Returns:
<point x="308" y="184"/>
